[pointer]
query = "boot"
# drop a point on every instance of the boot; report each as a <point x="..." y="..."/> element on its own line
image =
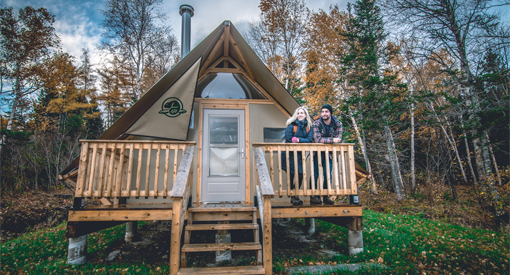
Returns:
<point x="315" y="200"/>
<point x="327" y="200"/>
<point x="296" y="201"/>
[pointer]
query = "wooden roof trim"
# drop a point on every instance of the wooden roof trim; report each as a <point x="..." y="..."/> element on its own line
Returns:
<point x="224" y="70"/>
<point x="243" y="61"/>
<point x="227" y="38"/>
<point x="252" y="81"/>
<point x="208" y="60"/>
<point x="267" y="95"/>
<point x="213" y="69"/>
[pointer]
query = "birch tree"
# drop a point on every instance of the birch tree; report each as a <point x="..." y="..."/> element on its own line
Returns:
<point x="136" y="31"/>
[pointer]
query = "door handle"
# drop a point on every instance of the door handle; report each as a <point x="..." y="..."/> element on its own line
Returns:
<point x="242" y="153"/>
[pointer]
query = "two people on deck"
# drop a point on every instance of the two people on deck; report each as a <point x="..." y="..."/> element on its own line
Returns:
<point x="300" y="129"/>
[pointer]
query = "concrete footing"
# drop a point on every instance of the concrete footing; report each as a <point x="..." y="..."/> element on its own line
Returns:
<point x="223" y="255"/>
<point x="310" y="226"/>
<point x="355" y="241"/>
<point x="77" y="252"/>
<point x="131" y="231"/>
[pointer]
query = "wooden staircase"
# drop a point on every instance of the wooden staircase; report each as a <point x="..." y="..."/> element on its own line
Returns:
<point x="224" y="214"/>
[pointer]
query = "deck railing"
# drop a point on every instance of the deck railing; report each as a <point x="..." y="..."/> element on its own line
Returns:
<point x="341" y="175"/>
<point x="115" y="169"/>
<point x="265" y="192"/>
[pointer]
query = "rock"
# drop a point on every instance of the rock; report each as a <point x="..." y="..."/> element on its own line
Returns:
<point x="113" y="256"/>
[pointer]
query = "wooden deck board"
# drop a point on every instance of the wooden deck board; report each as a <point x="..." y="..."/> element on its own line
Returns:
<point x="225" y="226"/>
<point x="147" y="212"/>
<point x="221" y="247"/>
<point x="222" y="207"/>
<point x="252" y="269"/>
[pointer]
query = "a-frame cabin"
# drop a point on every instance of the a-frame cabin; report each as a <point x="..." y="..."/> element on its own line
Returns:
<point x="205" y="144"/>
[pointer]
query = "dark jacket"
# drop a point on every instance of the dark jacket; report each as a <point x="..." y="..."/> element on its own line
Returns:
<point x="303" y="136"/>
<point x="325" y="134"/>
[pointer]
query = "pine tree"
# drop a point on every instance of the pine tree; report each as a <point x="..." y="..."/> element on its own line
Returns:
<point x="375" y="91"/>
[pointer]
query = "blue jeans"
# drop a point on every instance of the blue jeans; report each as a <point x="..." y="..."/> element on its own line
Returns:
<point x="324" y="169"/>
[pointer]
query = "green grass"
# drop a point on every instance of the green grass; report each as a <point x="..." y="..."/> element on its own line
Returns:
<point x="402" y="244"/>
<point x="45" y="252"/>
<point x="405" y="244"/>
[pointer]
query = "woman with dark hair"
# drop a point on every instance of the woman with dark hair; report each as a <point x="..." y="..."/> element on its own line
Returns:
<point x="299" y="130"/>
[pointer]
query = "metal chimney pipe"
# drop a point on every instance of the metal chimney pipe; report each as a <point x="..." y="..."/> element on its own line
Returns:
<point x="186" y="11"/>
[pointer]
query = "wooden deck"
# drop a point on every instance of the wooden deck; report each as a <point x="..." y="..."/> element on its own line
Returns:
<point x="111" y="173"/>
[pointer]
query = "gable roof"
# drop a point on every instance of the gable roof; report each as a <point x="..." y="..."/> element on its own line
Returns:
<point x="224" y="41"/>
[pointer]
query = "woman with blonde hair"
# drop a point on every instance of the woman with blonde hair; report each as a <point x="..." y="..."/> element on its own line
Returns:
<point x="299" y="130"/>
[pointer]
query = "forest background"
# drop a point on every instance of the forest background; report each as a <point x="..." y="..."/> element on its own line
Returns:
<point x="421" y="87"/>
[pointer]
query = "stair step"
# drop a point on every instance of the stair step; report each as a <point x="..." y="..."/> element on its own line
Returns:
<point x="222" y="226"/>
<point x="251" y="269"/>
<point x="223" y="209"/>
<point x="221" y="247"/>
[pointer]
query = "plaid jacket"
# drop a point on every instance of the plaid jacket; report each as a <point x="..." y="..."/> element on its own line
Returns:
<point x="319" y="131"/>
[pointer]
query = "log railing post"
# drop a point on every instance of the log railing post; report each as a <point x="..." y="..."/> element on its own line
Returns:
<point x="266" y="192"/>
<point x="180" y="196"/>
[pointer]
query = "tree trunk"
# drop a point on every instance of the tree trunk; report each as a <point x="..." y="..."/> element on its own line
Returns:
<point x="452" y="142"/>
<point x="478" y="158"/>
<point x="468" y="152"/>
<point x="395" y="173"/>
<point x="413" y="175"/>
<point x="14" y="107"/>
<point x="498" y="175"/>
<point x="364" y="150"/>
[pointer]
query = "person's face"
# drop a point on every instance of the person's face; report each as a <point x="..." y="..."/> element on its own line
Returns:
<point x="301" y="115"/>
<point x="325" y="114"/>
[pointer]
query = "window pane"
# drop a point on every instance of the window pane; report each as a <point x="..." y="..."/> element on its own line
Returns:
<point x="223" y="130"/>
<point x="223" y="162"/>
<point x="227" y="85"/>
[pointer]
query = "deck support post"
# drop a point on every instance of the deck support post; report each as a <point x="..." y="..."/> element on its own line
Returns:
<point x="77" y="252"/>
<point x="355" y="236"/>
<point x="355" y="241"/>
<point x="131" y="231"/>
<point x="310" y="226"/>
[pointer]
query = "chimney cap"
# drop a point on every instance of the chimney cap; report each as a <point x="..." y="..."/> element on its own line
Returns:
<point x="186" y="8"/>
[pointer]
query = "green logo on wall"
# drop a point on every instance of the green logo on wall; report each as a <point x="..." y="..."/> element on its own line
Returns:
<point x="172" y="107"/>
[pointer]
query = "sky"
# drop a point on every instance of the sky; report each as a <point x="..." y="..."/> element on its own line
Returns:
<point x="78" y="22"/>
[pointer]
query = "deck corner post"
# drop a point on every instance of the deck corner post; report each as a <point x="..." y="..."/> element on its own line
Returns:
<point x="310" y="226"/>
<point x="77" y="252"/>
<point x="131" y="231"/>
<point x="268" y="238"/>
<point x="175" y="238"/>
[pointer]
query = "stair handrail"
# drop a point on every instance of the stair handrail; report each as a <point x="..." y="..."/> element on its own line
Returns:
<point x="180" y="195"/>
<point x="265" y="192"/>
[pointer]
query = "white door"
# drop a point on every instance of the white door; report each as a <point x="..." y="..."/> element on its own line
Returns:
<point x="224" y="164"/>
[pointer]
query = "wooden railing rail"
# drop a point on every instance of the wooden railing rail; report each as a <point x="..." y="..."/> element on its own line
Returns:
<point x="340" y="179"/>
<point x="127" y="168"/>
<point x="265" y="192"/>
<point x="180" y="195"/>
